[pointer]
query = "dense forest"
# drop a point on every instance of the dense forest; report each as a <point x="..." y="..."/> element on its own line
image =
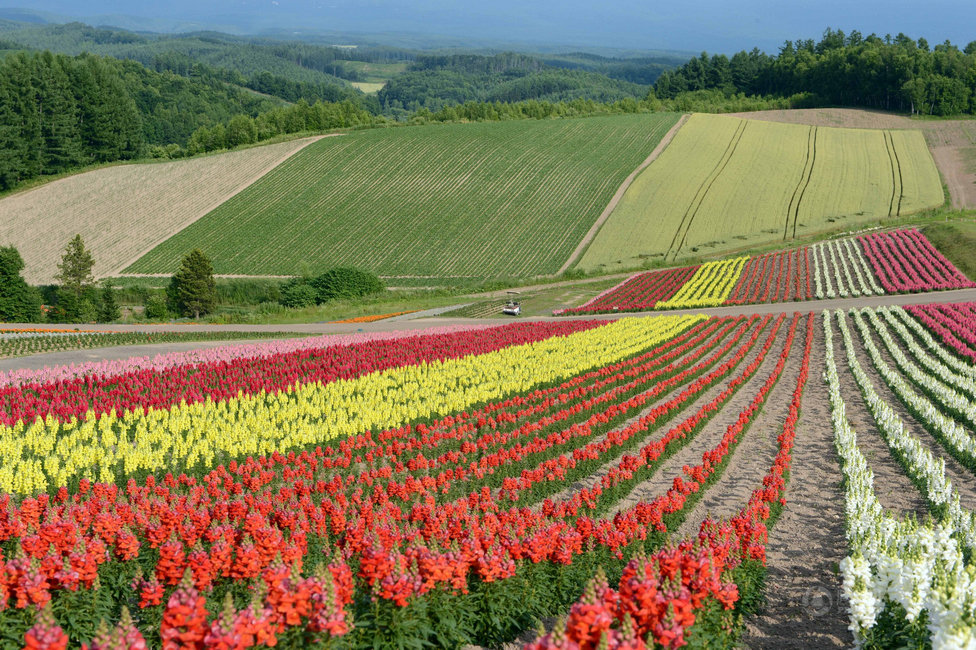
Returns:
<point x="436" y="81"/>
<point x="899" y="74"/>
<point x="59" y="112"/>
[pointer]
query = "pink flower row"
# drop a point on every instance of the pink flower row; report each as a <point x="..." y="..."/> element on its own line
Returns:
<point x="904" y="261"/>
<point x="110" y="368"/>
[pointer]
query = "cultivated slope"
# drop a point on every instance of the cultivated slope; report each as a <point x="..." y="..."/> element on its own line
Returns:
<point x="122" y="211"/>
<point x="482" y="200"/>
<point x="725" y="182"/>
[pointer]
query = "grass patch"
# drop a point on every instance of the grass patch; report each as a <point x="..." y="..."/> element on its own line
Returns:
<point x="957" y="241"/>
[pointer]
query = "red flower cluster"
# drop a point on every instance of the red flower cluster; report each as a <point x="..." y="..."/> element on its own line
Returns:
<point x="657" y="598"/>
<point x="780" y="276"/>
<point x="637" y="293"/>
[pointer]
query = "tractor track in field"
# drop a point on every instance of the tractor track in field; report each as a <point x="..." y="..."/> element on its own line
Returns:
<point x="801" y="188"/>
<point x="689" y="217"/>
<point x="803" y="606"/>
<point x="602" y="219"/>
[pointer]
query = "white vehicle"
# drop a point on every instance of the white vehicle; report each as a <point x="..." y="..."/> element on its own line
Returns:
<point x="513" y="307"/>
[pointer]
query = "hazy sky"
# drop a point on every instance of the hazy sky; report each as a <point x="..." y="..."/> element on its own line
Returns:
<point x="693" y="25"/>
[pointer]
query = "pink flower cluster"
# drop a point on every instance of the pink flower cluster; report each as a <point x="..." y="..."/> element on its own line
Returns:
<point x="904" y="261"/>
<point x="114" y="367"/>
<point x="954" y="323"/>
<point x="223" y="379"/>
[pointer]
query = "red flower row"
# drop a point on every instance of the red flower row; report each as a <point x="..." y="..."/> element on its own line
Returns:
<point x="222" y="380"/>
<point x="774" y="277"/>
<point x="659" y="597"/>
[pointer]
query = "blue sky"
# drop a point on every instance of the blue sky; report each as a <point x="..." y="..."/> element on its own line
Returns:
<point x="690" y="25"/>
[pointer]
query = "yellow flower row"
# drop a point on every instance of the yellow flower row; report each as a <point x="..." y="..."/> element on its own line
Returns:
<point x="46" y="454"/>
<point x="709" y="286"/>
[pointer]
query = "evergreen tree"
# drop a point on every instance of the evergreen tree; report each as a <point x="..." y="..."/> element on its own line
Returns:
<point x="193" y="288"/>
<point x="75" y="268"/>
<point x="19" y="303"/>
<point x="108" y="309"/>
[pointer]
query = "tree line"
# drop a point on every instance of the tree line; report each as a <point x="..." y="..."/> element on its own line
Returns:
<point x="890" y="73"/>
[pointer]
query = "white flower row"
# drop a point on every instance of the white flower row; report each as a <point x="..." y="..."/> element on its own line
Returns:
<point x="844" y="255"/>
<point x="949" y="397"/>
<point x="919" y="567"/>
<point x="922" y="466"/>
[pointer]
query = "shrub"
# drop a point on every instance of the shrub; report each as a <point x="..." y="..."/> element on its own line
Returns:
<point x="297" y="294"/>
<point x="156" y="307"/>
<point x="345" y="282"/>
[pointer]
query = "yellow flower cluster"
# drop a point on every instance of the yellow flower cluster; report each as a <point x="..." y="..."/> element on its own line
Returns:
<point x="46" y="453"/>
<point x="709" y="286"/>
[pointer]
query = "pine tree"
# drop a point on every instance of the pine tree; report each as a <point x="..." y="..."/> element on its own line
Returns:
<point x="108" y="309"/>
<point x="193" y="287"/>
<point x="75" y="268"/>
<point x="19" y="303"/>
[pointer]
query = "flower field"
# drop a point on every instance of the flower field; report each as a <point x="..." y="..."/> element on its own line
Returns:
<point x="454" y="486"/>
<point x="899" y="261"/>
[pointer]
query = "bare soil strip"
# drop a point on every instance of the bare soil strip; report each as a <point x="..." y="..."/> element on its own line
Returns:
<point x="803" y="607"/>
<point x="894" y="489"/>
<point x="705" y="397"/>
<point x="661" y="146"/>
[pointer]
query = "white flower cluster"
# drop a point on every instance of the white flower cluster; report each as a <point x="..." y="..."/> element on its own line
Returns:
<point x="851" y="271"/>
<point x="918" y="566"/>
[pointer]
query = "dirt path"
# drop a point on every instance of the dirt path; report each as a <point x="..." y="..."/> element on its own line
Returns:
<point x="661" y="146"/>
<point x="757" y="450"/>
<point x="962" y="183"/>
<point x="803" y="607"/>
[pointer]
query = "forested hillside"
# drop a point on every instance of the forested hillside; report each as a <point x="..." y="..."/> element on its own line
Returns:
<point x="436" y="81"/>
<point x="890" y="73"/>
<point x="59" y="112"/>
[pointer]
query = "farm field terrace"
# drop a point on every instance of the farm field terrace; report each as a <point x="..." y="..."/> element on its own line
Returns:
<point x="727" y="183"/>
<point x="124" y="210"/>
<point x="482" y="200"/>
<point x="390" y="489"/>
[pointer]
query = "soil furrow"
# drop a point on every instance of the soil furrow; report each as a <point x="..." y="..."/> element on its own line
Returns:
<point x="756" y="451"/>
<point x="803" y="606"/>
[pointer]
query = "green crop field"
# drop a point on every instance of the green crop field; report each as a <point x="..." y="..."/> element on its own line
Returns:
<point x="725" y="183"/>
<point x="482" y="200"/>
